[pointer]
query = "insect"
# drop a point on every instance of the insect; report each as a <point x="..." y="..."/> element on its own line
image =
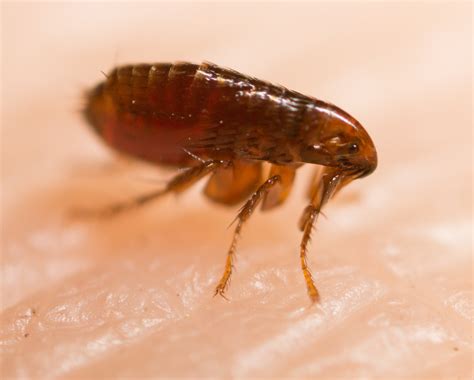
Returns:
<point x="218" y="123"/>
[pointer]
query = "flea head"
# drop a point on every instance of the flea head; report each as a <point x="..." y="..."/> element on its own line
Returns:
<point x="337" y="139"/>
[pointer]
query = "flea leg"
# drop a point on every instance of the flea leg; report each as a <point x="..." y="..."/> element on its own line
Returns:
<point x="278" y="194"/>
<point x="307" y="222"/>
<point x="235" y="183"/>
<point x="244" y="214"/>
<point x="178" y="184"/>
<point x="324" y="186"/>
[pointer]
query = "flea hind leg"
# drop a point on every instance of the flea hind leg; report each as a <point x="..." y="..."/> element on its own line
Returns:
<point x="177" y="184"/>
<point x="244" y="214"/>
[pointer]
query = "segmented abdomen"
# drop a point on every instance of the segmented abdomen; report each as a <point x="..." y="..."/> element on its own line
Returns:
<point x="157" y="111"/>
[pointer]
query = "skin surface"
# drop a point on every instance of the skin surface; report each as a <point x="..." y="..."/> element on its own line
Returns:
<point x="132" y="297"/>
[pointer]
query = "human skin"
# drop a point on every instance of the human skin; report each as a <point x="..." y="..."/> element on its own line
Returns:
<point x="133" y="296"/>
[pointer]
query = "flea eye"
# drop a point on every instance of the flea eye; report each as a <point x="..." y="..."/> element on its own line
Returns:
<point x="353" y="148"/>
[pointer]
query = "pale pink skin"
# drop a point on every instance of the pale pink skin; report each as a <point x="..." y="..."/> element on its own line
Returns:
<point x="132" y="296"/>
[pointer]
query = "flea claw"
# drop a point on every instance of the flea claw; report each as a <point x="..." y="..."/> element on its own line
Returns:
<point x="313" y="296"/>
<point x="220" y="290"/>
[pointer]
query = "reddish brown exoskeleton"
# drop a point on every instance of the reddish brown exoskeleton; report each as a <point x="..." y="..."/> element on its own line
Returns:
<point x="219" y="123"/>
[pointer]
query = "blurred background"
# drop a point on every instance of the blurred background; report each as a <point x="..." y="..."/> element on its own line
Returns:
<point x="132" y="297"/>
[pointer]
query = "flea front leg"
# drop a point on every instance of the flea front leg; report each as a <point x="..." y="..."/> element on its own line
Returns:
<point x="244" y="214"/>
<point x="307" y="222"/>
<point x="322" y="189"/>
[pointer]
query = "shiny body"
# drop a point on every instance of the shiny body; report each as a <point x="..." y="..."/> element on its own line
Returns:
<point x="218" y="122"/>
